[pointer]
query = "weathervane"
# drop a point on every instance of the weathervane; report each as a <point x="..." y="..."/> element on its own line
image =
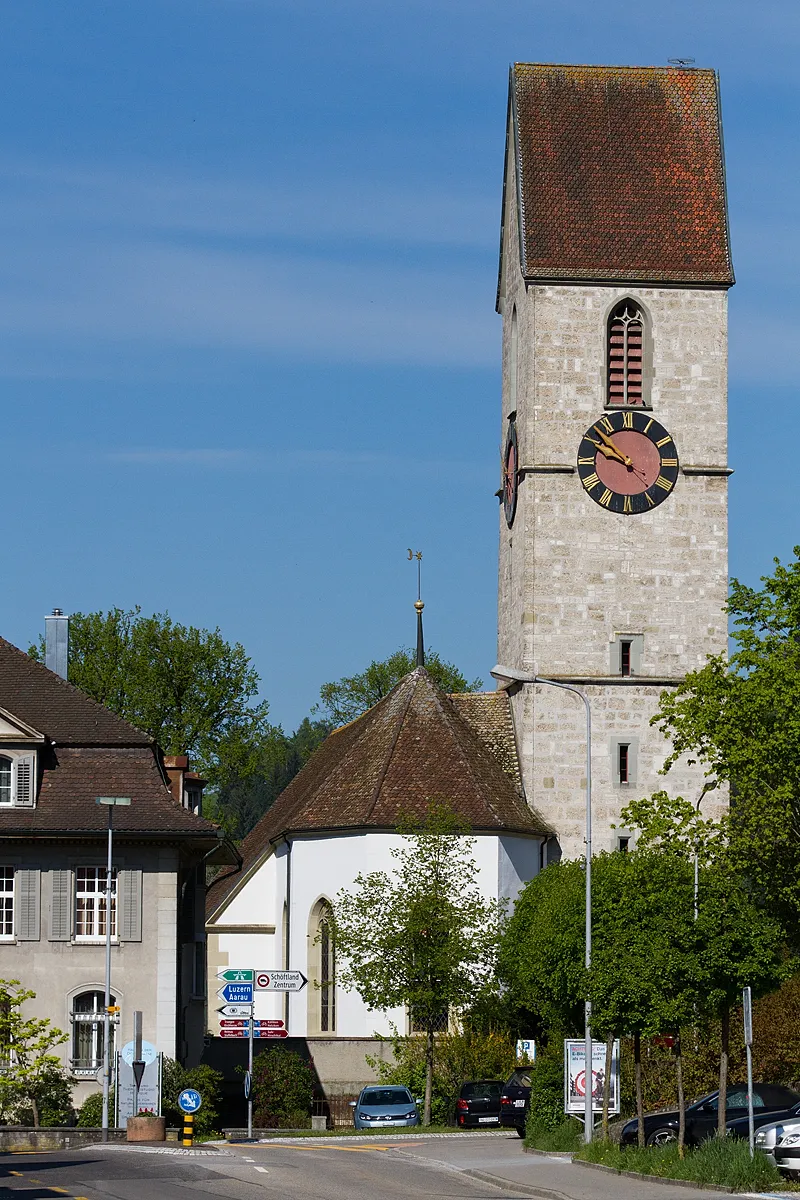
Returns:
<point x="418" y="605"/>
<point x="681" y="62"/>
<point x="417" y="554"/>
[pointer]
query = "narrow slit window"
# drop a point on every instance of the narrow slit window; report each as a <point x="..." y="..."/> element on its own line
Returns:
<point x="623" y="763"/>
<point x="624" y="658"/>
<point x="623" y="844"/>
<point x="626" y="334"/>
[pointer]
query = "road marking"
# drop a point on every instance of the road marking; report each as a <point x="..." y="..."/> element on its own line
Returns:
<point x="53" y="1188"/>
<point x="263" y="1170"/>
<point x="249" y="1160"/>
<point x="18" y="1174"/>
<point x="326" y="1145"/>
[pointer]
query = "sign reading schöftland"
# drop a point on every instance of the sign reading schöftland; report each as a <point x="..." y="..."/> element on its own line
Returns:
<point x="575" y="1076"/>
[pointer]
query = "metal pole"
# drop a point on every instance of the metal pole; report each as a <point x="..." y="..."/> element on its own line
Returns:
<point x="107" y="1014"/>
<point x="747" y="1014"/>
<point x="250" y="1070"/>
<point x="515" y="676"/>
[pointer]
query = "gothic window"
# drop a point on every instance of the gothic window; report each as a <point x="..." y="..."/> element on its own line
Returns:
<point x="322" y="964"/>
<point x="626" y="347"/>
<point x="88" y="1030"/>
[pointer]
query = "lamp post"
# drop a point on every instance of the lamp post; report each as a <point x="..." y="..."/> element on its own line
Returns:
<point x="513" y="676"/>
<point x="110" y="802"/>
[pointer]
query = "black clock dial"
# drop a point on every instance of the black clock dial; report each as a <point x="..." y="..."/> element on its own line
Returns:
<point x="627" y="462"/>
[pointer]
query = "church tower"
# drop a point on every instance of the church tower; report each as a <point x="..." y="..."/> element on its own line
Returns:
<point x="614" y="269"/>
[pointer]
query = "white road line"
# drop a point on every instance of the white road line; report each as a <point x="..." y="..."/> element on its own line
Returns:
<point x="263" y="1170"/>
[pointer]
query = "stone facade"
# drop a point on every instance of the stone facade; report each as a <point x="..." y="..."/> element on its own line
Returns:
<point x="573" y="577"/>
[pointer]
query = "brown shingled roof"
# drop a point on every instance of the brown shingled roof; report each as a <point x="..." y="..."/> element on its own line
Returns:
<point x="620" y="174"/>
<point x="47" y="702"/>
<point x="415" y="745"/>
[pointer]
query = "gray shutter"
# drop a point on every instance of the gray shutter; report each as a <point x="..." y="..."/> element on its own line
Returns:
<point x="25" y="790"/>
<point x="61" y="907"/>
<point x="27" y="888"/>
<point x="129" y="898"/>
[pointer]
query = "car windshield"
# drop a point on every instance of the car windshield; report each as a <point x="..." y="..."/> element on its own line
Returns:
<point x="520" y="1079"/>
<point x="477" y="1091"/>
<point x="373" y="1097"/>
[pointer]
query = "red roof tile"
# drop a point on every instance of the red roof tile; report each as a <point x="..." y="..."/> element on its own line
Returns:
<point x="621" y="174"/>
<point x="414" y="746"/>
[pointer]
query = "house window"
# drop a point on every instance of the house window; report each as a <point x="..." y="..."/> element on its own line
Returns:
<point x="626" y="333"/>
<point x="88" y="1031"/>
<point x="623" y="764"/>
<point x="6" y="902"/>
<point x="625" y="658"/>
<point x="623" y="844"/>
<point x="5" y="781"/>
<point x="90" y="903"/>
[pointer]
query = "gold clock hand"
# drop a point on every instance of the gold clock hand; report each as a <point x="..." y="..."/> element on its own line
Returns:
<point x="609" y="451"/>
<point x="623" y="457"/>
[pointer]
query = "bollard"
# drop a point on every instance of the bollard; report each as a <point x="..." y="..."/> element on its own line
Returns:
<point x="188" y="1129"/>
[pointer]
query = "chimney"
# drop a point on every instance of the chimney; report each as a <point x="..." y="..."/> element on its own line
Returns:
<point x="56" y="643"/>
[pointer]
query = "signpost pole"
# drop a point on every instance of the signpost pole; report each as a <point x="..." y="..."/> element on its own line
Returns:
<point x="747" y="1006"/>
<point x="250" y="1071"/>
<point x="111" y="802"/>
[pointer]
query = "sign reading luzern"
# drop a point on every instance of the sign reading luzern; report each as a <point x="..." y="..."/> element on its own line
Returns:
<point x="280" y="981"/>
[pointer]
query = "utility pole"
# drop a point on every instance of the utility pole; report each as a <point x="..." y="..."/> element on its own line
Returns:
<point x="110" y="802"/>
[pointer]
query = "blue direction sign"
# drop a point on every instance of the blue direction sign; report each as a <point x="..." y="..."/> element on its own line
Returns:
<point x="237" y="993"/>
<point x="189" y="1100"/>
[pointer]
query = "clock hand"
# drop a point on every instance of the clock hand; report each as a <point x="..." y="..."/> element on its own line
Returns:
<point x="623" y="457"/>
<point x="609" y="451"/>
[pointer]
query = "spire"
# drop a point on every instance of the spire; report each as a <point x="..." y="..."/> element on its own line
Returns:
<point x="418" y="605"/>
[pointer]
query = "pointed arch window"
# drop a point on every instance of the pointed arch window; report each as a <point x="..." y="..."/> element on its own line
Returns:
<point x="626" y="356"/>
<point x="322" y="970"/>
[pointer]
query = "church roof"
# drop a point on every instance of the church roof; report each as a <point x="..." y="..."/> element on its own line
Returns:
<point x="620" y="174"/>
<point x="414" y="746"/>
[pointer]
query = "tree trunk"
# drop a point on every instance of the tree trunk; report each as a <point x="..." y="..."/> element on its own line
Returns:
<point x="681" y="1095"/>
<point x="723" y="1071"/>
<point x="637" y="1058"/>
<point x="607" y="1083"/>
<point x="35" y="1108"/>
<point x="426" y="1112"/>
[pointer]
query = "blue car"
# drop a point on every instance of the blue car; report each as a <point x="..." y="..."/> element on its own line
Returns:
<point x="378" y="1107"/>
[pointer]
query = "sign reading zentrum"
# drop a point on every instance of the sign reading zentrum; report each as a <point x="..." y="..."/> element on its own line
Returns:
<point x="280" y="981"/>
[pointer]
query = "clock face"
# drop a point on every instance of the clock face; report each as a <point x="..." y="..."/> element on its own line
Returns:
<point x="627" y="462"/>
<point x="510" y="476"/>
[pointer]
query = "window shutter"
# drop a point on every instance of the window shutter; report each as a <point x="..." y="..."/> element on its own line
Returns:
<point x="27" y="923"/>
<point x="25" y="790"/>
<point x="61" y="908"/>
<point x="129" y="897"/>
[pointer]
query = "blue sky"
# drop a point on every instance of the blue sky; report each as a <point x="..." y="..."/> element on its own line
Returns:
<point x="248" y="348"/>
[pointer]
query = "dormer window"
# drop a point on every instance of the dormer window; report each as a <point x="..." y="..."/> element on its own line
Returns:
<point x="17" y="779"/>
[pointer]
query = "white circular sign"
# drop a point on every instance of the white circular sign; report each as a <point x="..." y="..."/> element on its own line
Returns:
<point x="149" y="1052"/>
<point x="262" y="979"/>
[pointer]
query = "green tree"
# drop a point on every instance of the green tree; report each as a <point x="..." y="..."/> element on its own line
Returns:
<point x="741" y="719"/>
<point x="345" y="699"/>
<point x="188" y="688"/>
<point x="32" y="1079"/>
<point x="283" y="1088"/>
<point x="424" y="937"/>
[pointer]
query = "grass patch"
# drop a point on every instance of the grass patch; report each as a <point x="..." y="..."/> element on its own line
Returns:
<point x="565" y="1137"/>
<point x="724" y="1161"/>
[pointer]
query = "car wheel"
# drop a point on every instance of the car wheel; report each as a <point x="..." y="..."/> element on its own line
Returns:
<point x="662" y="1137"/>
<point x="520" y="1131"/>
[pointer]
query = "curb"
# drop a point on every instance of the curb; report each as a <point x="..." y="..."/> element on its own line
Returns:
<point x="509" y="1185"/>
<point x="559" y="1154"/>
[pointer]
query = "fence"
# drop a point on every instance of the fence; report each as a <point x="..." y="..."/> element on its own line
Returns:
<point x="335" y="1109"/>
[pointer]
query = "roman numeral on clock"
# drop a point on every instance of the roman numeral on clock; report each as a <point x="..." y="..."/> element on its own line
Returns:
<point x="663" y="483"/>
<point x="626" y="505"/>
<point x="627" y="420"/>
<point x="605" y="499"/>
<point x="663" y="441"/>
<point x="669" y="462"/>
<point x="609" y="428"/>
<point x="591" y="481"/>
<point x="586" y="462"/>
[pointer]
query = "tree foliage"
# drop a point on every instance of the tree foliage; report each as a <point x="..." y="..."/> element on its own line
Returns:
<point x="741" y="720"/>
<point x="33" y="1084"/>
<point x="188" y="688"/>
<point x="347" y="698"/>
<point x="283" y="1088"/>
<point x="424" y="937"/>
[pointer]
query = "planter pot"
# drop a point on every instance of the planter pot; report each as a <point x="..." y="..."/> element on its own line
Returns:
<point x="147" y="1129"/>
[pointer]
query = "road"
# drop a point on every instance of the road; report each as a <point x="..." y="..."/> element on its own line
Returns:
<point x="461" y="1167"/>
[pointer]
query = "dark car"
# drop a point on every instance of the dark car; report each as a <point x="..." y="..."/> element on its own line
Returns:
<point x="701" y="1117"/>
<point x="479" y="1103"/>
<point x="515" y="1100"/>
<point x="762" y="1116"/>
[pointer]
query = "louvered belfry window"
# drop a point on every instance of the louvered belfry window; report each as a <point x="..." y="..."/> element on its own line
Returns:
<point x="626" y="355"/>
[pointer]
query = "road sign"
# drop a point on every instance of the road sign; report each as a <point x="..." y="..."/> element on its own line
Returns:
<point x="243" y="1023"/>
<point x="235" y="1010"/>
<point x="235" y="975"/>
<point x="237" y="993"/>
<point x="149" y="1052"/>
<point x="280" y="981"/>
<point x="189" y="1100"/>
<point x="239" y="1023"/>
<point x="257" y="1033"/>
<point x="247" y="1085"/>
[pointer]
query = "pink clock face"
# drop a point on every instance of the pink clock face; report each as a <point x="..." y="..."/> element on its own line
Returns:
<point x="628" y="462"/>
<point x="644" y="468"/>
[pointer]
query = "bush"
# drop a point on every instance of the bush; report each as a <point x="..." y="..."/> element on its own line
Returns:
<point x="207" y="1082"/>
<point x="283" y="1088"/>
<point x="566" y="1137"/>
<point x="546" y="1110"/>
<point x="90" y="1113"/>
<point x="724" y="1161"/>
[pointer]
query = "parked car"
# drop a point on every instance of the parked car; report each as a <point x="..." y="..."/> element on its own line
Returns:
<point x="479" y="1103"/>
<point x="701" y="1116"/>
<point x="515" y="1100"/>
<point x="787" y="1151"/>
<point x="772" y="1122"/>
<point x="377" y="1107"/>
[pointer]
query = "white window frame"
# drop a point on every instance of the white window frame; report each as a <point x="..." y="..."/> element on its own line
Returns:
<point x="7" y="882"/>
<point x="13" y="756"/>
<point x="94" y="899"/>
<point x="94" y="1018"/>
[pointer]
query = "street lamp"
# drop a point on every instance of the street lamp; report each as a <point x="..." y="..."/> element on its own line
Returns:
<point x="111" y="802"/>
<point x="513" y="676"/>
